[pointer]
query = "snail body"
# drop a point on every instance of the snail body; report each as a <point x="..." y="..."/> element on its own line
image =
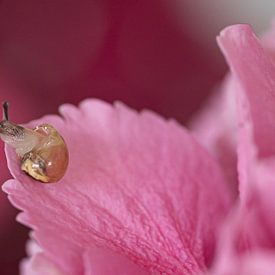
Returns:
<point x="42" y="151"/>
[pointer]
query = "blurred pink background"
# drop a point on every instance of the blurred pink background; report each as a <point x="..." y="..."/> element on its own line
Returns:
<point x="155" y="54"/>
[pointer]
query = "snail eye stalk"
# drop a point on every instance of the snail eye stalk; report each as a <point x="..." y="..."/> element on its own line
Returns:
<point x="5" y="110"/>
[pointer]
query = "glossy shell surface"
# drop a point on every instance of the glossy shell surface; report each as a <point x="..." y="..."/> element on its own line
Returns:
<point x="48" y="160"/>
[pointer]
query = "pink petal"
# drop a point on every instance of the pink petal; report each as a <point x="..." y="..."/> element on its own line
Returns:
<point x="215" y="128"/>
<point x="136" y="185"/>
<point x="39" y="264"/>
<point x="256" y="75"/>
<point x="268" y="40"/>
<point x="230" y="261"/>
<point x="95" y="260"/>
<point x="257" y="264"/>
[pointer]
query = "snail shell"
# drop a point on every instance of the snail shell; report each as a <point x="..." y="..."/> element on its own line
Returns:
<point x="42" y="151"/>
<point x="48" y="160"/>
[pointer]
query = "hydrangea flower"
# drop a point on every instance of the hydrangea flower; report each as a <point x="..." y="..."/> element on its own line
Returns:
<point x="142" y="195"/>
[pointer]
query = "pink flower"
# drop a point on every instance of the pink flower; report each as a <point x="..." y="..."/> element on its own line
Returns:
<point x="142" y="195"/>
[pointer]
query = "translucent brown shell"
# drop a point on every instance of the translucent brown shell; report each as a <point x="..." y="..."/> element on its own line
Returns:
<point x="48" y="160"/>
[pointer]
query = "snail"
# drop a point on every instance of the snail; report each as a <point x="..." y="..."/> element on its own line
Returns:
<point x="42" y="151"/>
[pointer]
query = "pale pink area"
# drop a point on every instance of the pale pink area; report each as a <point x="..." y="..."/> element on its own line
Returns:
<point x="256" y="264"/>
<point x="229" y="260"/>
<point x="256" y="75"/>
<point x="136" y="185"/>
<point x="268" y="40"/>
<point x="96" y="261"/>
<point x="39" y="264"/>
<point x="215" y="127"/>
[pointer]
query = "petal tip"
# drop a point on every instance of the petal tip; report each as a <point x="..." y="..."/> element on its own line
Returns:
<point x="8" y="186"/>
<point x="234" y="32"/>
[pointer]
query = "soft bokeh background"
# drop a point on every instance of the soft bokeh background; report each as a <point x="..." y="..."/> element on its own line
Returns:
<point x="155" y="54"/>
